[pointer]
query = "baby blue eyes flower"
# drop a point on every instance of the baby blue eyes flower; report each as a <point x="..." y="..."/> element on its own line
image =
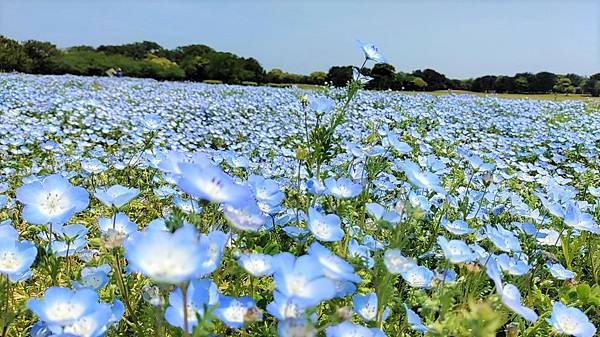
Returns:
<point x="504" y="239"/>
<point x="315" y="186"/>
<point x="284" y="307"/>
<point x="418" y="277"/>
<point x="334" y="267"/>
<point x="116" y="195"/>
<point x="579" y="220"/>
<point x="257" y="264"/>
<point x="234" y="312"/>
<point x="397" y="263"/>
<point x="93" y="277"/>
<point x="570" y="321"/>
<point x="119" y="223"/>
<point x="379" y="213"/>
<point x="7" y="231"/>
<point x="415" y="321"/>
<point x="456" y="251"/>
<point x="296" y="327"/>
<point x="209" y="182"/>
<point x="421" y="179"/>
<point x="457" y="227"/>
<point x="166" y="257"/>
<point x="302" y="277"/>
<point x="511" y="297"/>
<point x="62" y="307"/>
<point x="51" y="201"/>
<point x="512" y="265"/>
<point x="366" y="307"/>
<point x="322" y="104"/>
<point x="248" y="217"/>
<point x="16" y="257"/>
<point x="342" y="188"/>
<point x="200" y="294"/>
<point x="70" y="239"/>
<point x="559" y="272"/>
<point x="346" y="329"/>
<point x="371" y="52"/>
<point x="325" y="227"/>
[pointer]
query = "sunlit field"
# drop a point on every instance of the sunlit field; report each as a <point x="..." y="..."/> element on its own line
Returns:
<point x="133" y="207"/>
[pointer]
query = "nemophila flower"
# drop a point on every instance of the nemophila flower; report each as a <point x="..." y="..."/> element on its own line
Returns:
<point x="456" y="227"/>
<point x="296" y="327"/>
<point x="284" y="307"/>
<point x="248" y="217"/>
<point x="570" y="321"/>
<point x="166" y="257"/>
<point x="371" y="243"/>
<point x="152" y="121"/>
<point x="559" y="272"/>
<point x="579" y="220"/>
<point x="93" y="277"/>
<point x="397" y="263"/>
<point x="321" y="104"/>
<point x="302" y="277"/>
<point x="549" y="237"/>
<point x="418" y="277"/>
<point x="511" y="297"/>
<point x="492" y="269"/>
<point x="197" y="298"/>
<point x="366" y="307"/>
<point x="267" y="193"/>
<point x="235" y="312"/>
<point x="344" y="288"/>
<point x="188" y="206"/>
<point x="315" y="186"/>
<point x="7" y="231"/>
<point x="257" y="264"/>
<point x="456" y="251"/>
<point x="93" y="166"/>
<point x="209" y="182"/>
<point x="69" y="240"/>
<point x="511" y="265"/>
<point x="371" y="52"/>
<point x="62" y="307"/>
<point x="342" y="188"/>
<point x="119" y="223"/>
<point x="16" y="258"/>
<point x="414" y="320"/>
<point x="51" y="201"/>
<point x="116" y="195"/>
<point x="446" y="276"/>
<point x="361" y="252"/>
<point x="325" y="227"/>
<point x="421" y="179"/>
<point x="393" y="140"/>
<point x="334" y="267"/>
<point x="379" y="213"/>
<point x="504" y="239"/>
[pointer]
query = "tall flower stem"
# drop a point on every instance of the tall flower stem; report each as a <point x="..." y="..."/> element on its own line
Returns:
<point x="185" y="309"/>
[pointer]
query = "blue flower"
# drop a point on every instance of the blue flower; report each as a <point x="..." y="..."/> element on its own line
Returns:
<point x="504" y="239"/>
<point x="209" y="182"/>
<point x="371" y="52"/>
<point x="511" y="297"/>
<point x="234" y="312"/>
<point x="70" y="239"/>
<point x="93" y="277"/>
<point x="579" y="220"/>
<point x="418" y="277"/>
<point x="361" y="252"/>
<point x="248" y="217"/>
<point x="559" y="272"/>
<point x="257" y="264"/>
<point x="166" y="257"/>
<point x="116" y="195"/>
<point x="421" y="179"/>
<point x="342" y="188"/>
<point x="7" y="231"/>
<point x="456" y="251"/>
<point x="570" y="321"/>
<point x="302" y="277"/>
<point x="62" y="307"/>
<point x="334" y="267"/>
<point x="366" y="307"/>
<point x="16" y="257"/>
<point x="315" y="186"/>
<point x="119" y="223"/>
<point x="492" y="269"/>
<point x="322" y="104"/>
<point x="415" y="321"/>
<point x="325" y="227"/>
<point x="397" y="263"/>
<point x="457" y="227"/>
<point x="284" y="307"/>
<point x="512" y="265"/>
<point x="379" y="213"/>
<point x="295" y="327"/>
<point x="51" y="201"/>
<point x="346" y="329"/>
<point x="198" y="296"/>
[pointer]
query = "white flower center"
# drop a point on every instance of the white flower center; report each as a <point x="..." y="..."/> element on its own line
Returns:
<point x="235" y="312"/>
<point x="84" y="327"/>
<point x="9" y="261"/>
<point x="53" y="203"/>
<point x="64" y="311"/>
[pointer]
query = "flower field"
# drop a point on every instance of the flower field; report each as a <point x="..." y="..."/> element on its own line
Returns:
<point x="132" y="207"/>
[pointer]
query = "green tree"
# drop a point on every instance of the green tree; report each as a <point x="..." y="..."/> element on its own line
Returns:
<point x="13" y="56"/>
<point x="563" y="86"/>
<point x="318" y="77"/>
<point x="521" y="84"/>
<point x="339" y="76"/>
<point x="42" y="55"/>
<point x="419" y="83"/>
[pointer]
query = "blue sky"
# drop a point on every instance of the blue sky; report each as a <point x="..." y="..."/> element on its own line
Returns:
<point x="459" y="38"/>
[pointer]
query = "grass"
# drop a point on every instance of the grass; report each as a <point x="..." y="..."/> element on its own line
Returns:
<point x="547" y="97"/>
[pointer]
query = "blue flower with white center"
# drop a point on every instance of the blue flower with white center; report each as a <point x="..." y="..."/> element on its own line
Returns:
<point x="197" y="297"/>
<point x="315" y="186"/>
<point x="415" y="321"/>
<point x="302" y="277"/>
<point x="209" y="182"/>
<point x="342" y="188"/>
<point x="397" y="263"/>
<point x="504" y="239"/>
<point x="570" y="321"/>
<point x="366" y="307"/>
<point x="234" y="312"/>
<point x="372" y="244"/>
<point x="247" y="217"/>
<point x="321" y="104"/>
<point x="446" y="276"/>
<point x="93" y="324"/>
<point x="559" y="272"/>
<point x="119" y="223"/>
<point x="457" y="227"/>
<point x="62" y="307"/>
<point x="579" y="220"/>
<point x="212" y="246"/>
<point x="295" y="327"/>
<point x="257" y="264"/>
<point x="512" y="265"/>
<point x="51" y="201"/>
<point x="492" y="269"/>
<point x="325" y="227"/>
<point x="116" y="195"/>
<point x="334" y="267"/>
<point x="344" y="288"/>
<point x="267" y="193"/>
<point x="394" y="140"/>
<point x="421" y="179"/>
<point x="70" y="239"/>
<point x="456" y="251"/>
<point x="346" y="329"/>
<point x="284" y="307"/>
<point x="511" y="297"/>
<point x="361" y="252"/>
<point x="371" y="52"/>
<point x="418" y="277"/>
<point x="379" y="213"/>
<point x="166" y="257"/>
<point x="7" y="231"/>
<point x="16" y="258"/>
<point x="93" y="277"/>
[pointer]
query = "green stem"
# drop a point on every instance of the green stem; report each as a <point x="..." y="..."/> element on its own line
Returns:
<point x="185" y="311"/>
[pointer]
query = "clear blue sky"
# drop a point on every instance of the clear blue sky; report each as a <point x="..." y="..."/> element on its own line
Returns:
<point x="459" y="38"/>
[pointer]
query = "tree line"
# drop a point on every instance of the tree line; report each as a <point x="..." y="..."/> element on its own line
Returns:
<point x="198" y="62"/>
